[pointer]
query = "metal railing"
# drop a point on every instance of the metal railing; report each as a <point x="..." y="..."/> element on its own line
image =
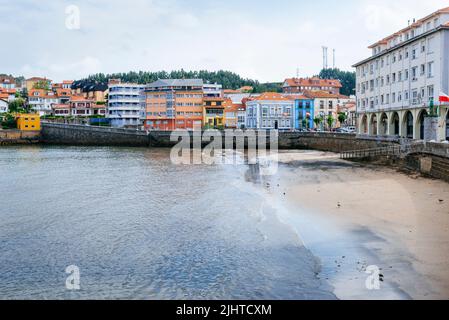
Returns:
<point x="394" y="150"/>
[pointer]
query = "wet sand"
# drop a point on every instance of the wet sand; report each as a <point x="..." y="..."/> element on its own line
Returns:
<point x="352" y="216"/>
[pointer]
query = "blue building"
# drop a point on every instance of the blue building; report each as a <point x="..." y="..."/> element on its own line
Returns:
<point x="304" y="110"/>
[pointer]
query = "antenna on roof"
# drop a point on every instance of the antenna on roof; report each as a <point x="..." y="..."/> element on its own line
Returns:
<point x="324" y="57"/>
<point x="333" y="58"/>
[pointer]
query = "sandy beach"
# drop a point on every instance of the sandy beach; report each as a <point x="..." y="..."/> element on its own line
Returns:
<point x="352" y="216"/>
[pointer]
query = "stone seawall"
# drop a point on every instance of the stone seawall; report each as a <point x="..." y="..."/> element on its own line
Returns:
<point x="333" y="142"/>
<point x="82" y="135"/>
<point x="13" y="137"/>
<point x="70" y="134"/>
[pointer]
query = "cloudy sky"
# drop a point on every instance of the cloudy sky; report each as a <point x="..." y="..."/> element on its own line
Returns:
<point x="265" y="40"/>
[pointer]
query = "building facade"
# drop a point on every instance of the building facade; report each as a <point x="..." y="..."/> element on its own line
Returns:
<point x="304" y="112"/>
<point x="213" y="113"/>
<point x="4" y="106"/>
<point x="212" y="90"/>
<point x="300" y="85"/>
<point x="270" y="111"/>
<point x="174" y="104"/>
<point x="7" y="82"/>
<point x="28" y="122"/>
<point x="404" y="76"/>
<point x="326" y="106"/>
<point x="125" y="104"/>
<point x="41" y="101"/>
<point x="230" y="114"/>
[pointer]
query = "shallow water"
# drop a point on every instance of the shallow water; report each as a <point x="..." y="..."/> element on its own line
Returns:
<point x="139" y="227"/>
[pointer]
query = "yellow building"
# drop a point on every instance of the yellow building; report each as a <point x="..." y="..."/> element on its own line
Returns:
<point x="213" y="113"/>
<point x="28" y="122"/>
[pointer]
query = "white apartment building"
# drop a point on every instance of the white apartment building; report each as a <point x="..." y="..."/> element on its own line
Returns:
<point x="126" y="104"/>
<point x="406" y="71"/>
<point x="212" y="90"/>
<point x="3" y="106"/>
<point x="41" y="101"/>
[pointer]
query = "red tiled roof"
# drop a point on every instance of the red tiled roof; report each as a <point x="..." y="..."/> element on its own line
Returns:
<point x="313" y="82"/>
<point x="323" y="94"/>
<point x="61" y="106"/>
<point x="271" y="96"/>
<point x="80" y="98"/>
<point x="297" y="97"/>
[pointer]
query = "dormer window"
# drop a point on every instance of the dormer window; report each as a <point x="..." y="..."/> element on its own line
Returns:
<point x="435" y="23"/>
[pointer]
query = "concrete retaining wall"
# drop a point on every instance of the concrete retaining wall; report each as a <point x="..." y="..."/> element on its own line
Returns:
<point x="334" y="142"/>
<point x="12" y="137"/>
<point x="70" y="134"/>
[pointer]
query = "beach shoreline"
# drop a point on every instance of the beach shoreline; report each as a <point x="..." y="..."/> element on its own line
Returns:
<point x="353" y="215"/>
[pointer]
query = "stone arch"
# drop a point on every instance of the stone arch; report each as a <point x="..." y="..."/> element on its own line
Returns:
<point x="395" y="122"/>
<point x="419" y="125"/>
<point x="364" y="124"/>
<point x="373" y="125"/>
<point x="383" y="124"/>
<point x="407" y="125"/>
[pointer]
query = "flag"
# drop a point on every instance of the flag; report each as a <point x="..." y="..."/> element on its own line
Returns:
<point x="444" y="97"/>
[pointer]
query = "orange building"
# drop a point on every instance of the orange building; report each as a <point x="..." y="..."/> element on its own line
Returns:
<point x="231" y="111"/>
<point x="174" y="104"/>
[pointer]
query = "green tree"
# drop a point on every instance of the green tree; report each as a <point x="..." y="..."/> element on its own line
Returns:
<point x="330" y="121"/>
<point x="228" y="79"/>
<point x="9" y="122"/>
<point x="346" y="78"/>
<point x="318" y="121"/>
<point x="342" y="117"/>
<point x="42" y="84"/>
<point x="17" y="105"/>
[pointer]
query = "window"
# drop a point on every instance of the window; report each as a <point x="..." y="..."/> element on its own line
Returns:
<point x="423" y="46"/>
<point x="430" y="45"/>
<point x="414" y="55"/>
<point x="423" y="69"/>
<point x="430" y="69"/>
<point x="414" y="73"/>
<point x="331" y="104"/>
<point x="264" y="112"/>
<point x="430" y="92"/>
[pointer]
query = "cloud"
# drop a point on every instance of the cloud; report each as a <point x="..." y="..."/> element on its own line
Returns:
<point x="264" y="40"/>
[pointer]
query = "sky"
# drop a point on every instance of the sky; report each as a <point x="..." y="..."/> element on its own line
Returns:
<point x="262" y="40"/>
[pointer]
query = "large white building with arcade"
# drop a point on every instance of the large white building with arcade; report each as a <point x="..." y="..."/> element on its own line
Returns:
<point x="406" y="73"/>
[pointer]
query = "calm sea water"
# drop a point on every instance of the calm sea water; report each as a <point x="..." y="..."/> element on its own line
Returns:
<point x="139" y="227"/>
